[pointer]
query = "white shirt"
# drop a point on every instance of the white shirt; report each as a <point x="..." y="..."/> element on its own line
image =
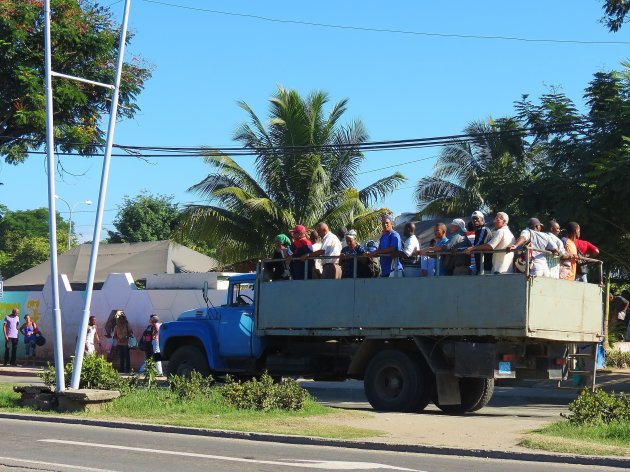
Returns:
<point x="502" y="262"/>
<point x="332" y="247"/>
<point x="317" y="262"/>
<point x="542" y="242"/>
<point x="410" y="245"/>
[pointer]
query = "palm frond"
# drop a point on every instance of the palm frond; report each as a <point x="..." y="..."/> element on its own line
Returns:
<point x="381" y="189"/>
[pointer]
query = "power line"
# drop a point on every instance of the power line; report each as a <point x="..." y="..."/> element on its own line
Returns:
<point x="579" y="126"/>
<point x="387" y="30"/>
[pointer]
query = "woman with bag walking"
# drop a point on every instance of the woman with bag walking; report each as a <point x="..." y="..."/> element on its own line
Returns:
<point x="29" y="331"/>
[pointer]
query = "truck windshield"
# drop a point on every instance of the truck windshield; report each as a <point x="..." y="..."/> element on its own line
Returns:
<point x="243" y="294"/>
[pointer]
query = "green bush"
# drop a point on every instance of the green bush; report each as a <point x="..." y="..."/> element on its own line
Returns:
<point x="265" y="394"/>
<point x="616" y="358"/>
<point x="599" y="407"/>
<point x="616" y="332"/>
<point x="96" y="373"/>
<point x="150" y="373"/>
<point x="188" y="388"/>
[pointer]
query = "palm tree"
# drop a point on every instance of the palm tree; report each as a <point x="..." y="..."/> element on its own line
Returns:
<point x="306" y="167"/>
<point x="479" y="174"/>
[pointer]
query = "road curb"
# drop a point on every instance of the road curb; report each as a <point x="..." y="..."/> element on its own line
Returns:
<point x="604" y="461"/>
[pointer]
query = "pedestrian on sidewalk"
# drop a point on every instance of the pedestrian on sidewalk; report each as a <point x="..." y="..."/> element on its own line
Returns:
<point x="122" y="333"/>
<point x="29" y="331"/>
<point x="91" y="338"/>
<point x="151" y="344"/>
<point x="10" y="329"/>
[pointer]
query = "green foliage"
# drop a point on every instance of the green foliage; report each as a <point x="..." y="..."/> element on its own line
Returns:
<point x="598" y="407"/>
<point x="195" y="386"/>
<point x="96" y="373"/>
<point x="24" y="239"/>
<point x="485" y="174"/>
<point x="615" y="12"/>
<point x="616" y="358"/>
<point x="85" y="43"/>
<point x="296" y="181"/>
<point x="265" y="394"/>
<point x="570" y="167"/>
<point x="145" y="217"/>
<point x="150" y="373"/>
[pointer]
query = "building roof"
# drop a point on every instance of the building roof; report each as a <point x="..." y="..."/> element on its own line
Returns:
<point x="140" y="259"/>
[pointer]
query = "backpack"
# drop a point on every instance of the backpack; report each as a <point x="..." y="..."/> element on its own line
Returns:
<point x="146" y="338"/>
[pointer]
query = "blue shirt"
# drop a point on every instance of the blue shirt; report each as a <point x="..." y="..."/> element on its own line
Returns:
<point x="391" y="239"/>
<point x="440" y="243"/>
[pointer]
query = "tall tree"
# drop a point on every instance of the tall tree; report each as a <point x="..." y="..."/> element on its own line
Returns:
<point x="85" y="44"/>
<point x="24" y="239"/>
<point x="484" y="173"/>
<point x="145" y="217"/>
<point x="306" y="168"/>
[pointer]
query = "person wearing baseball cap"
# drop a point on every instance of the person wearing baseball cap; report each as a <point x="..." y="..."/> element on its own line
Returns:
<point x="301" y="246"/>
<point x="540" y="245"/>
<point x="482" y="236"/>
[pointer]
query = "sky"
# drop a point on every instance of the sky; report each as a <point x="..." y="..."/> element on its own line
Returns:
<point x="401" y="86"/>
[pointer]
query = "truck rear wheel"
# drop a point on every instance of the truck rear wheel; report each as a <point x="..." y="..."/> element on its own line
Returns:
<point x="187" y="359"/>
<point x="475" y="394"/>
<point x="397" y="381"/>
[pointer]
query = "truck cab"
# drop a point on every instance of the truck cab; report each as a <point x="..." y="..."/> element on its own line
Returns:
<point x="215" y="339"/>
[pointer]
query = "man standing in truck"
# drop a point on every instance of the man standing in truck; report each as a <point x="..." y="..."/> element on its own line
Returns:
<point x="389" y="245"/>
<point x="331" y="246"/>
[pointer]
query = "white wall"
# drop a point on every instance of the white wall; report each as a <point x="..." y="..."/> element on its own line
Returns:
<point x="118" y="292"/>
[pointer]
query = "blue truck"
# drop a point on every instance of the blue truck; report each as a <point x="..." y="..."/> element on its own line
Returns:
<point x="411" y="340"/>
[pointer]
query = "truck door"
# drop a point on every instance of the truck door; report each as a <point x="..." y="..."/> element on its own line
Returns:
<point x="235" y="327"/>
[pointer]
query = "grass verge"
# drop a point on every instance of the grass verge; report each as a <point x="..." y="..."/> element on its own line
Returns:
<point x="158" y="406"/>
<point x="602" y="440"/>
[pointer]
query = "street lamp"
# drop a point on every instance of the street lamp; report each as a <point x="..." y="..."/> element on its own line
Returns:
<point x="71" y="209"/>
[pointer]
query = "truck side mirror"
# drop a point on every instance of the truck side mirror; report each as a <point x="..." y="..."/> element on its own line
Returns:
<point x="205" y="291"/>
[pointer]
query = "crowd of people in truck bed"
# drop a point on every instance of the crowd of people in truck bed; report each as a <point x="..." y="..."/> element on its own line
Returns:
<point x="461" y="248"/>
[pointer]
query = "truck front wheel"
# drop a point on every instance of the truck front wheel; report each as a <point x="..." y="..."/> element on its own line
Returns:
<point x="187" y="359"/>
<point x="397" y="381"/>
<point x="475" y="394"/>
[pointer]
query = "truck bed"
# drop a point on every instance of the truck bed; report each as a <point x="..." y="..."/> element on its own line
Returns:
<point x="500" y="306"/>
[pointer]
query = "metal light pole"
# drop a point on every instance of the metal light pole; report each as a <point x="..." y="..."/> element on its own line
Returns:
<point x="70" y="210"/>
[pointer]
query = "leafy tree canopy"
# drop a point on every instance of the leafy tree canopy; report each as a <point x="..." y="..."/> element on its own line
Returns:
<point x="24" y="239"/>
<point x="615" y="12"/>
<point x="85" y="44"/>
<point x="574" y="167"/>
<point x="145" y="217"/>
<point x="306" y="168"/>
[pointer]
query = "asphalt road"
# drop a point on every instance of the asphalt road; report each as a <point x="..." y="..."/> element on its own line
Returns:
<point x="30" y="445"/>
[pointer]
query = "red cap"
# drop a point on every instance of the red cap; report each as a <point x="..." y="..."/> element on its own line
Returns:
<point x="298" y="229"/>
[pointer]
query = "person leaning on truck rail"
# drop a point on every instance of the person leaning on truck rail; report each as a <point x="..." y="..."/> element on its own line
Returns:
<point x="482" y="236"/>
<point x="351" y="249"/>
<point x="389" y="245"/>
<point x="501" y="239"/>
<point x="584" y="248"/>
<point x="568" y="267"/>
<point x="331" y="247"/>
<point x="315" y="267"/>
<point x="555" y="262"/>
<point x="299" y="247"/>
<point x="537" y="241"/>
<point x="279" y="269"/>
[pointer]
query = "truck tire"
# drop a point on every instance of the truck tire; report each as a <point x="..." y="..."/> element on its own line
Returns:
<point x="475" y="393"/>
<point x="397" y="381"/>
<point x="187" y="359"/>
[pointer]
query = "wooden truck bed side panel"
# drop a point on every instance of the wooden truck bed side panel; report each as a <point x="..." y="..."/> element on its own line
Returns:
<point x="559" y="308"/>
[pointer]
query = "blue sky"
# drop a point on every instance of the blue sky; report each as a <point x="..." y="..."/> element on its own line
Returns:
<point x="400" y="86"/>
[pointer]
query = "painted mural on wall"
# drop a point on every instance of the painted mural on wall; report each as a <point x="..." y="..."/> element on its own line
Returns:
<point x="118" y="292"/>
